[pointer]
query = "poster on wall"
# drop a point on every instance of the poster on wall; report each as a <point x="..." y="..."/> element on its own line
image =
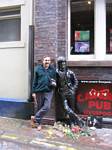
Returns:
<point x="94" y="98"/>
<point x="82" y="41"/>
<point x="82" y="47"/>
<point x="82" y="35"/>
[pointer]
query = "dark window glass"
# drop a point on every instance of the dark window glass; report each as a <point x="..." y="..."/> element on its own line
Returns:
<point x="10" y="25"/>
<point x="82" y="27"/>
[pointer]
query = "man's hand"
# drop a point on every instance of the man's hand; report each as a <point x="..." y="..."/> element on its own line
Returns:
<point x="34" y="96"/>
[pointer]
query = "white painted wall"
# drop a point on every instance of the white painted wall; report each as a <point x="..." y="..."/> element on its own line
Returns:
<point x="14" y="80"/>
<point x="14" y="73"/>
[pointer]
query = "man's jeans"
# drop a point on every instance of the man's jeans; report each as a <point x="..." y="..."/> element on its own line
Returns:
<point x="42" y="105"/>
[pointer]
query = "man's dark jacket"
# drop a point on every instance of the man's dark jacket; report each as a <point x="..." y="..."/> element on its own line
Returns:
<point x="42" y="76"/>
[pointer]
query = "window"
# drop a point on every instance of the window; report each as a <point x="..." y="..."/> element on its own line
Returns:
<point x="89" y="30"/>
<point x="10" y="24"/>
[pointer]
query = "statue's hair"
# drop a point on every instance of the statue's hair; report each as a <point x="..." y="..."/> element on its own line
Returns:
<point x="61" y="58"/>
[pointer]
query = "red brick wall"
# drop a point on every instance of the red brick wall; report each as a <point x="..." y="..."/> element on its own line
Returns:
<point x="45" y="28"/>
<point x="62" y="27"/>
<point x="50" y="23"/>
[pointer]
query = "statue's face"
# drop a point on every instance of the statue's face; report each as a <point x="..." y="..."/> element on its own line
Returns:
<point x="62" y="66"/>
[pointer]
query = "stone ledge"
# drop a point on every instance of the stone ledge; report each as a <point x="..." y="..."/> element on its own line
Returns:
<point x="14" y="108"/>
<point x="89" y="63"/>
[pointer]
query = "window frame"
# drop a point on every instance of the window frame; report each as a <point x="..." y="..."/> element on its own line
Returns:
<point x="13" y="4"/>
<point x="11" y="17"/>
<point x="97" y="35"/>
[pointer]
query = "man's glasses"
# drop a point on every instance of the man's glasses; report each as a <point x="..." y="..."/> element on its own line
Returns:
<point x="47" y="60"/>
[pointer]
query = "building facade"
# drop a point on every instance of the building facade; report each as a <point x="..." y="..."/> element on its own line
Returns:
<point x="80" y="30"/>
<point x="15" y="21"/>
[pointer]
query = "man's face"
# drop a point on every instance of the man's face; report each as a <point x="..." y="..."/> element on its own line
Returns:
<point x="46" y="62"/>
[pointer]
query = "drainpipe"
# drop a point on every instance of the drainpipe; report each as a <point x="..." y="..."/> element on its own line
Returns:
<point x="31" y="60"/>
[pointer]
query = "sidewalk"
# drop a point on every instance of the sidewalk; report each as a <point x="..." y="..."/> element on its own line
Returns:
<point x="17" y="134"/>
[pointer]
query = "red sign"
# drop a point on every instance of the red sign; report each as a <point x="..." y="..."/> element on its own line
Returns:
<point x="95" y="98"/>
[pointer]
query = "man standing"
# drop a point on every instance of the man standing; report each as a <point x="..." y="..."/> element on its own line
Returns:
<point x="42" y="90"/>
<point x="66" y="87"/>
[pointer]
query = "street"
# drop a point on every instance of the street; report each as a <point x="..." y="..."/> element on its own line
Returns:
<point x="16" y="134"/>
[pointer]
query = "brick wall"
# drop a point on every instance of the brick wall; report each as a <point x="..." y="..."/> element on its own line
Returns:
<point x="45" y="28"/>
<point x="93" y="73"/>
<point x="50" y="23"/>
<point x="62" y="27"/>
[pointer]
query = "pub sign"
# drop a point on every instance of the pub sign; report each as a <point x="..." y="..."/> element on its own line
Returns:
<point x="94" y="98"/>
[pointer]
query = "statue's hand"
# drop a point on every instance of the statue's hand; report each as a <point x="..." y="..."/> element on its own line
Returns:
<point x="72" y="90"/>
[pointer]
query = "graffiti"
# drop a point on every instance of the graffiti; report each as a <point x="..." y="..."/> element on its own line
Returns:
<point x="104" y="94"/>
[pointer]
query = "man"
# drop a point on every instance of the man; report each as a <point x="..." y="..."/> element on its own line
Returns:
<point x="66" y="86"/>
<point x="42" y="90"/>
